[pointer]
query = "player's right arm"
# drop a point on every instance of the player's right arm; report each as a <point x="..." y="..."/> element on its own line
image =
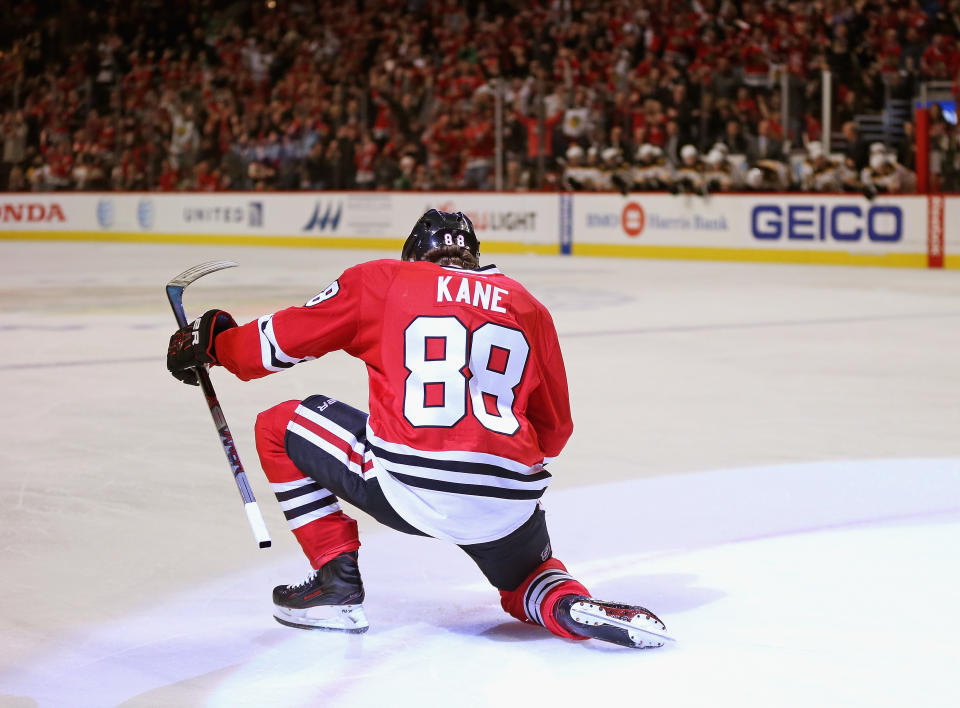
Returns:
<point x="327" y="322"/>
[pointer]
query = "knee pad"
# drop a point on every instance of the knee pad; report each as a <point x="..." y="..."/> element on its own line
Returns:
<point x="269" y="433"/>
<point x="271" y="424"/>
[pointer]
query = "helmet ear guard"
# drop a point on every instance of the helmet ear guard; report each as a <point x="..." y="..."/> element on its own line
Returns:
<point x="436" y="229"/>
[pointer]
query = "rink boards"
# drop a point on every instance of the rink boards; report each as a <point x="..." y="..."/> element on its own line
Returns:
<point x="903" y="231"/>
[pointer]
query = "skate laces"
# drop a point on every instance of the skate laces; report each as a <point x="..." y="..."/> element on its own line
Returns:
<point x="305" y="583"/>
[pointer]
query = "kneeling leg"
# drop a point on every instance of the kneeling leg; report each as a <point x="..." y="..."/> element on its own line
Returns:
<point x="313" y="512"/>
<point x="530" y="581"/>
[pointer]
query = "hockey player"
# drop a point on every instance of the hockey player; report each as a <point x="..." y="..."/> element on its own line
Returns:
<point x="651" y="172"/>
<point x="883" y="175"/>
<point x="767" y="176"/>
<point x="468" y="404"/>
<point x="818" y="173"/>
<point x="689" y="173"/>
<point x="576" y="175"/>
<point x="718" y="173"/>
<point x="906" y="179"/>
<point x="615" y="174"/>
<point x="879" y="175"/>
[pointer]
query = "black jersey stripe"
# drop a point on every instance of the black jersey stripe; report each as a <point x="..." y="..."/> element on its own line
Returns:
<point x="476" y="490"/>
<point x="298" y="492"/>
<point x="312" y="506"/>
<point x="478" y="468"/>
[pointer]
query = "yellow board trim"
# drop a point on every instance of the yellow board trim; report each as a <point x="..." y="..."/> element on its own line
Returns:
<point x="752" y="255"/>
<point x="702" y="253"/>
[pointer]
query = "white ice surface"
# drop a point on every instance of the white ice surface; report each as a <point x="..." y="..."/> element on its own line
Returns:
<point x="765" y="456"/>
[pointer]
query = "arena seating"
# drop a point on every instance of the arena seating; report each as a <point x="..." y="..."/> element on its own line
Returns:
<point x="400" y="94"/>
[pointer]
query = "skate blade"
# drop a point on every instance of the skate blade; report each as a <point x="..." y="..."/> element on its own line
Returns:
<point x="329" y="618"/>
<point x="641" y="631"/>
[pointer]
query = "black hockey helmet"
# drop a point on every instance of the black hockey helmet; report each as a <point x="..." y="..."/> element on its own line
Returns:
<point x="440" y="228"/>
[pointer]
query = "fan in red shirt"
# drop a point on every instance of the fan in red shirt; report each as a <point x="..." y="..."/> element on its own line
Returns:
<point x="935" y="57"/>
<point x="468" y="404"/>
<point x="169" y="178"/>
<point x="532" y="125"/>
<point x="61" y="165"/>
<point x="363" y="158"/>
<point x="479" y="137"/>
<point x="206" y="181"/>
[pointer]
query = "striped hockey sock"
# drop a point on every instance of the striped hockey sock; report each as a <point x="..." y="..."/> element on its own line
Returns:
<point x="533" y="601"/>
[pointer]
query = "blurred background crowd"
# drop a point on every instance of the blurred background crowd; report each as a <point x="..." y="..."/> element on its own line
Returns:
<point x="409" y="94"/>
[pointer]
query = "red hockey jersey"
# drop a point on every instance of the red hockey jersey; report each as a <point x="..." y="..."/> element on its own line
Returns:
<point x="468" y="393"/>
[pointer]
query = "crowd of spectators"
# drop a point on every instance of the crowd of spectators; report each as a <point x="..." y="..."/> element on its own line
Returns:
<point x="404" y="94"/>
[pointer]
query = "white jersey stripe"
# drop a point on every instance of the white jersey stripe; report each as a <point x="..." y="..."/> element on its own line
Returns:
<point x="278" y="351"/>
<point x="305" y="519"/>
<point x="266" y="350"/>
<point x="372" y="471"/>
<point x="324" y="445"/>
<point x="290" y="486"/>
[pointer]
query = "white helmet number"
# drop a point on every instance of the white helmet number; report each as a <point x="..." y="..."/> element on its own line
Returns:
<point x="448" y="240"/>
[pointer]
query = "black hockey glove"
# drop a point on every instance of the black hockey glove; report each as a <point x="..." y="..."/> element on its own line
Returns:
<point x="193" y="346"/>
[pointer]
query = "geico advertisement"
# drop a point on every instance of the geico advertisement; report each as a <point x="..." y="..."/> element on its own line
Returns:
<point x="835" y="222"/>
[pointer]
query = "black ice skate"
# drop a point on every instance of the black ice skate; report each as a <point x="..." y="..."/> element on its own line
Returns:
<point x="329" y="599"/>
<point x="626" y="625"/>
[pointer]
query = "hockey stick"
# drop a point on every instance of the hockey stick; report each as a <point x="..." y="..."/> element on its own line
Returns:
<point x="175" y="290"/>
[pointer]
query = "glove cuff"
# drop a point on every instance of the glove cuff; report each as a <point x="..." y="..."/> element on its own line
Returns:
<point x="207" y="328"/>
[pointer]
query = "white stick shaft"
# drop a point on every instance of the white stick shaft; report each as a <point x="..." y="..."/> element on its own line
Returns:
<point x="257" y="524"/>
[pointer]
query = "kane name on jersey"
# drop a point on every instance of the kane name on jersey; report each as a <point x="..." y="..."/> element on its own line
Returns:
<point x="484" y="295"/>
